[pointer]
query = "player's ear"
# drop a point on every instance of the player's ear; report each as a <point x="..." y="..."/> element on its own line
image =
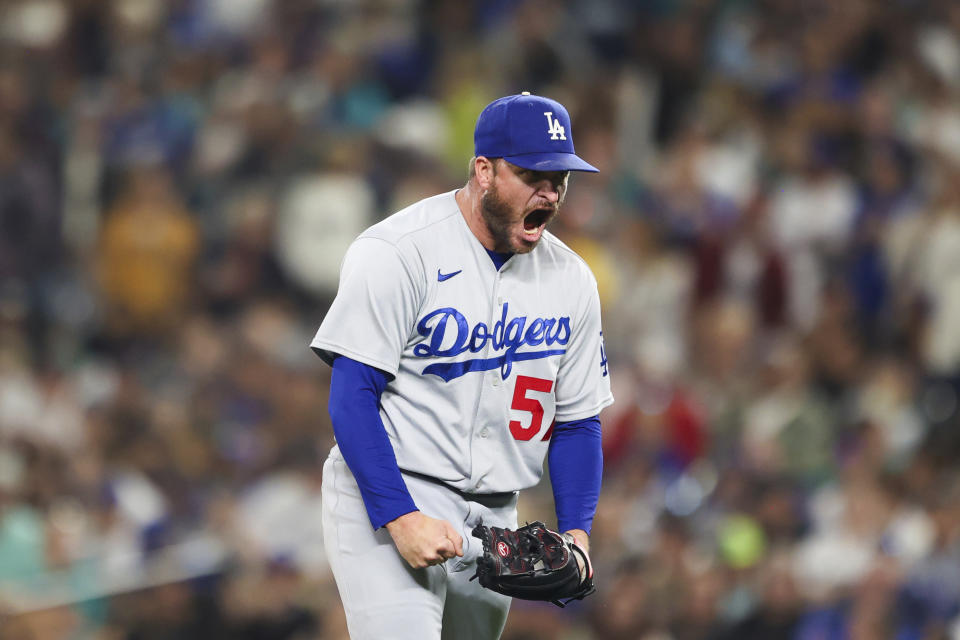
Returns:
<point x="484" y="169"/>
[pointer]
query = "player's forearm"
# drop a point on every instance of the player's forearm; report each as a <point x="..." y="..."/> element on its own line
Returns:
<point x="576" y="470"/>
<point x="355" y="390"/>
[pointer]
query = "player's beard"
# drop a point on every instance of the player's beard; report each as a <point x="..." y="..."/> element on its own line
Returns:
<point x="501" y="221"/>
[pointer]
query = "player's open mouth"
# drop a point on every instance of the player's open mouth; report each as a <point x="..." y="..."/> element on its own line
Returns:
<point x="536" y="220"/>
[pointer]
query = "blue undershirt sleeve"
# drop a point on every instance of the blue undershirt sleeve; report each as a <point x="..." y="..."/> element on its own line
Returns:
<point x="355" y="390"/>
<point x="576" y="469"/>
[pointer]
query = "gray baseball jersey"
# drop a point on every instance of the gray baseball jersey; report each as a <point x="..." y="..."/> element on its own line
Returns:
<point x="482" y="361"/>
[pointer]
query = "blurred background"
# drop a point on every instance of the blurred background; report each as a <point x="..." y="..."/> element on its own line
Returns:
<point x="775" y="232"/>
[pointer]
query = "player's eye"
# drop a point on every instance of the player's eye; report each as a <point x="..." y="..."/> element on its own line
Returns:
<point x="555" y="177"/>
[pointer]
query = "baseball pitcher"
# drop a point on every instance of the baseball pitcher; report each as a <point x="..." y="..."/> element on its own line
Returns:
<point x="466" y="347"/>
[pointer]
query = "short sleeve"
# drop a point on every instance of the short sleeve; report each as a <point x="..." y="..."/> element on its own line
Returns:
<point x="377" y="300"/>
<point x="583" y="381"/>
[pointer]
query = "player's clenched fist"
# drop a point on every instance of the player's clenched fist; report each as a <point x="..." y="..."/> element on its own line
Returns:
<point x="424" y="541"/>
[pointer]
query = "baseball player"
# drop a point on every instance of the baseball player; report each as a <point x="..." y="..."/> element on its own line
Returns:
<point x="466" y="347"/>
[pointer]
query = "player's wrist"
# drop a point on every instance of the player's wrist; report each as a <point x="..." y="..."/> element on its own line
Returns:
<point x="580" y="537"/>
<point x="401" y="520"/>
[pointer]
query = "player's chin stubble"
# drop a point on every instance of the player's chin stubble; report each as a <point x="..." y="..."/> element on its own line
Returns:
<point x="499" y="217"/>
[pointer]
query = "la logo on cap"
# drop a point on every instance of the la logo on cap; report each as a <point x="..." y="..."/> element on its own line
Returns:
<point x="554" y="128"/>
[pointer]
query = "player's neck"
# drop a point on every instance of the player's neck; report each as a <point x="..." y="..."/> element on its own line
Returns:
<point x="468" y="199"/>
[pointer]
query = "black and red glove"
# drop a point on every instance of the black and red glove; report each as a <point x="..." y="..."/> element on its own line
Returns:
<point x="533" y="563"/>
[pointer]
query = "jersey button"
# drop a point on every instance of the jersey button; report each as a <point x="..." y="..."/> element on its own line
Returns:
<point x="484" y="432"/>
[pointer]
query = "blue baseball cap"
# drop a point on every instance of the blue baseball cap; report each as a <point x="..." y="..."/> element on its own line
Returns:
<point x="529" y="131"/>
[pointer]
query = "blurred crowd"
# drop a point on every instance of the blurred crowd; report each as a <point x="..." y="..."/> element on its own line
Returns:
<point x="775" y="231"/>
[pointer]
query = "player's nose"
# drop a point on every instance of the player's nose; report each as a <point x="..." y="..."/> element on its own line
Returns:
<point x="549" y="191"/>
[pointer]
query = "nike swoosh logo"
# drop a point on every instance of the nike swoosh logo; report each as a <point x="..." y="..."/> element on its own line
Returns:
<point x="446" y="276"/>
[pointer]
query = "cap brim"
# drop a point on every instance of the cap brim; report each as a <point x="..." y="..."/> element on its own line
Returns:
<point x="551" y="162"/>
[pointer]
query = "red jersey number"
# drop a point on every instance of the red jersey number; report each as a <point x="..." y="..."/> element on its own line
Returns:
<point x="531" y="405"/>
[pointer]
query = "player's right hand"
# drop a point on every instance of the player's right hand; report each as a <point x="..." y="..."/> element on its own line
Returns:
<point x="424" y="541"/>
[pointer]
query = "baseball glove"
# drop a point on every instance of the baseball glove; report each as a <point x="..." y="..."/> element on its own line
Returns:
<point x="533" y="563"/>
